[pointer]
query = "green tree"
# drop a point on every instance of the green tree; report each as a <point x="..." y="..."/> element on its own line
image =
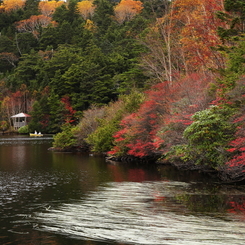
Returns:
<point x="234" y="17"/>
<point x="25" y="43"/>
<point x="65" y="57"/>
<point x="208" y="137"/>
<point x="6" y="44"/>
<point x="31" y="8"/>
<point x="49" y="38"/>
<point x="103" y="16"/>
<point x="6" y="47"/>
<point x="61" y="14"/>
<point x="56" y="113"/>
<point x="39" y="118"/>
<point x="27" y="71"/>
<point x="67" y="13"/>
<point x="65" y="140"/>
<point x="65" y="33"/>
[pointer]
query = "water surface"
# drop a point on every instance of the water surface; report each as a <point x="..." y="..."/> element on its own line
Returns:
<point x="67" y="198"/>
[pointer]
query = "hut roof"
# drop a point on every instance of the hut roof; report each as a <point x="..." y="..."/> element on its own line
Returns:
<point x="21" y="115"/>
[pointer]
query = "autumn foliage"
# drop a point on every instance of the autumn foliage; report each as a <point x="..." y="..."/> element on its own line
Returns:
<point x="138" y="134"/>
<point x="47" y="8"/>
<point x="86" y="8"/>
<point x="16" y="102"/>
<point x="69" y="112"/>
<point x="11" y="5"/>
<point x="194" y="104"/>
<point x="127" y="9"/>
<point x="234" y="168"/>
<point x="34" y="23"/>
<point x="160" y="121"/>
<point x="182" y="41"/>
<point x="195" y="21"/>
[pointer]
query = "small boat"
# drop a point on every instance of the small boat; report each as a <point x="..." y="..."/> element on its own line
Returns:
<point x="36" y="134"/>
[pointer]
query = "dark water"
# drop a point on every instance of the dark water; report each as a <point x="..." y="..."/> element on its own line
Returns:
<point x="64" y="198"/>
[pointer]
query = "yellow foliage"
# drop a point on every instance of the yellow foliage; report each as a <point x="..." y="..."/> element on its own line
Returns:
<point x="86" y="8"/>
<point x="11" y="5"/>
<point x="47" y="8"/>
<point x="90" y="25"/>
<point x="127" y="9"/>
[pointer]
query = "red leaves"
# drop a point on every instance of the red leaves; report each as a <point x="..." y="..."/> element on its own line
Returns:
<point x="114" y="151"/>
<point x="69" y="111"/>
<point x="237" y="207"/>
<point x="238" y="150"/>
<point x="198" y="31"/>
<point x="138" y="136"/>
<point x="140" y="148"/>
<point x="162" y="118"/>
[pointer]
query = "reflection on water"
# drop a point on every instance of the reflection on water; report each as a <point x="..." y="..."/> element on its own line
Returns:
<point x="64" y="198"/>
<point x="139" y="213"/>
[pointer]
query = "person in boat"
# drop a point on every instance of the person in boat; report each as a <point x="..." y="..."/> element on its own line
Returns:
<point x="39" y="133"/>
<point x="35" y="132"/>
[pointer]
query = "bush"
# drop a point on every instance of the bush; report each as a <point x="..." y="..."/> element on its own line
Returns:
<point x="208" y="137"/>
<point x="23" y="130"/>
<point x="137" y="135"/>
<point x="102" y="140"/>
<point x="4" y="125"/>
<point x="88" y="124"/>
<point x="65" y="139"/>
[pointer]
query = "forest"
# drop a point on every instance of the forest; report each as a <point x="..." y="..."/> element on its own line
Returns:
<point x="152" y="80"/>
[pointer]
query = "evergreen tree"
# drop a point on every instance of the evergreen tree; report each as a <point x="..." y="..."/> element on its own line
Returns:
<point x="31" y="8"/>
<point x="25" y="42"/>
<point x="235" y="18"/>
<point x="103" y="16"/>
<point x="27" y="71"/>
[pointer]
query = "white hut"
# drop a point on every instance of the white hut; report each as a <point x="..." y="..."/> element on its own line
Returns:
<point x="20" y="120"/>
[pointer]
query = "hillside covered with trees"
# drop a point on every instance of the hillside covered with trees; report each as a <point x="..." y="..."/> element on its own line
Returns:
<point x="142" y="79"/>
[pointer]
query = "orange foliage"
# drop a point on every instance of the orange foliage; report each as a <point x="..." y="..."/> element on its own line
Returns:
<point x="127" y="9"/>
<point x="86" y="9"/>
<point x="196" y="23"/>
<point x="16" y="102"/>
<point x="11" y="5"/>
<point x="34" y="23"/>
<point x="182" y="41"/>
<point x="47" y="8"/>
<point x="1" y="8"/>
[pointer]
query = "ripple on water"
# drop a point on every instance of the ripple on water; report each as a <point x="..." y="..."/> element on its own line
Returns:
<point x="24" y="140"/>
<point x="129" y="213"/>
<point x="15" y="188"/>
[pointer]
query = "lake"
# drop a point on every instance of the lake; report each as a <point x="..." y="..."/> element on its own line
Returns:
<point x="74" y="198"/>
